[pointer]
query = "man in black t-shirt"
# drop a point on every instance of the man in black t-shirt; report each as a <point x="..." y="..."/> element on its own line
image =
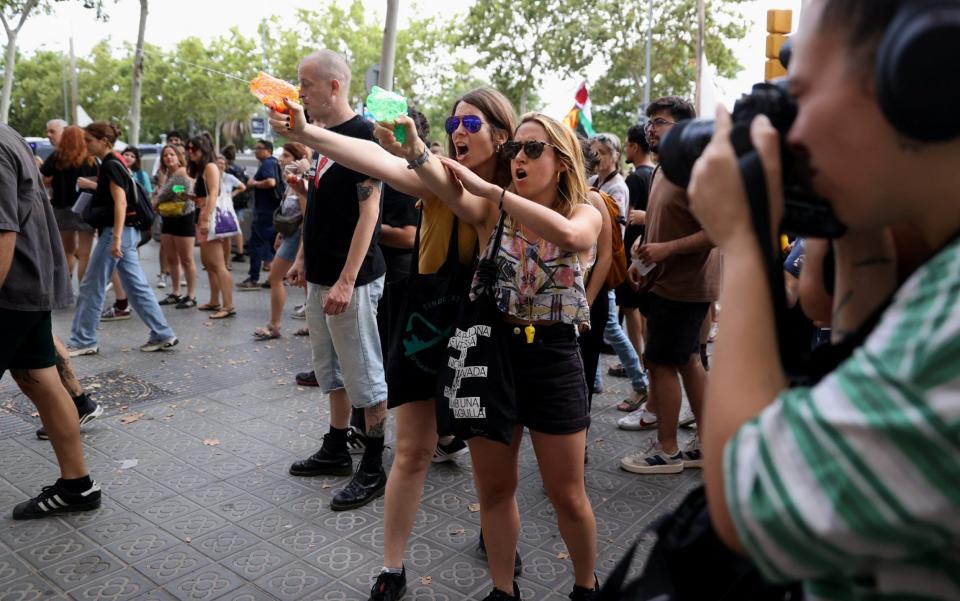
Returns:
<point x="344" y="269"/>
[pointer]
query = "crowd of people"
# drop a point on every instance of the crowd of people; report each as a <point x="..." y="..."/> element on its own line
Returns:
<point x="469" y="292"/>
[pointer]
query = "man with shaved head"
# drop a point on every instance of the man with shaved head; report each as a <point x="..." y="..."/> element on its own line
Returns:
<point x="343" y="268"/>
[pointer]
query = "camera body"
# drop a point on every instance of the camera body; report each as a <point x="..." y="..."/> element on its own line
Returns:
<point x="805" y="213"/>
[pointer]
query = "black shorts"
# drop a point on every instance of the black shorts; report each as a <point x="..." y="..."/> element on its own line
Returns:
<point x="673" y="329"/>
<point x="28" y="340"/>
<point x="184" y="227"/>
<point x="549" y="379"/>
<point x="627" y="297"/>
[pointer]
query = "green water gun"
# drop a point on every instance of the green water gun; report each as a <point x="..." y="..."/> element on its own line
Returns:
<point x="387" y="106"/>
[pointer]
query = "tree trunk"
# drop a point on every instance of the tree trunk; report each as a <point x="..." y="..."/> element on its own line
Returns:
<point x="523" y="99"/>
<point x="216" y="136"/>
<point x="8" y="76"/>
<point x="137" y="78"/>
<point x="74" y="86"/>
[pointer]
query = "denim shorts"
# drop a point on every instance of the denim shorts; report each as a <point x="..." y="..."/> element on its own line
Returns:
<point x="346" y="347"/>
<point x="288" y="248"/>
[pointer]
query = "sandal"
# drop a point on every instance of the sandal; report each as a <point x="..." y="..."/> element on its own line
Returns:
<point x="617" y="371"/>
<point x="209" y="307"/>
<point x="266" y="333"/>
<point x="302" y="332"/>
<point x="632" y="403"/>
<point x="223" y="314"/>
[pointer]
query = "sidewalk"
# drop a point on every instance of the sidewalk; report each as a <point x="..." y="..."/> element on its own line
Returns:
<point x="193" y="454"/>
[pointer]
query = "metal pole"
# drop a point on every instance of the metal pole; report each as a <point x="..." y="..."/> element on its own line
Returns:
<point x="74" y="87"/>
<point x="701" y="25"/>
<point x="389" y="48"/>
<point x="66" y="95"/>
<point x="648" y="84"/>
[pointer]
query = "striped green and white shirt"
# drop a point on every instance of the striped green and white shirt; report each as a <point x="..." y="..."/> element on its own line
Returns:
<point x="853" y="486"/>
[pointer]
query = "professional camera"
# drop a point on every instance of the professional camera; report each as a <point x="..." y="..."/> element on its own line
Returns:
<point x="805" y="213"/>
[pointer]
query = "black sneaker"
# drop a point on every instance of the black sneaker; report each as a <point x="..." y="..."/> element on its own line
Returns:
<point x="54" y="499"/>
<point x="88" y="412"/>
<point x="324" y="462"/>
<point x="447" y="452"/>
<point x="581" y="593"/>
<point x="187" y="303"/>
<point x="498" y="595"/>
<point x="356" y="441"/>
<point x="389" y="587"/>
<point x="170" y="299"/>
<point x="482" y="550"/>
<point x="363" y="488"/>
<point x="307" y="378"/>
<point x="238" y="258"/>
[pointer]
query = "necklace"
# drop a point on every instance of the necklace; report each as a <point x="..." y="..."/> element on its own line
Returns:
<point x="529" y="330"/>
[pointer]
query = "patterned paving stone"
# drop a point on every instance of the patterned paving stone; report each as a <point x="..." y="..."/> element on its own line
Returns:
<point x="248" y="593"/>
<point x="304" y="539"/>
<point x="77" y="571"/>
<point x="29" y="588"/>
<point x="115" y="528"/>
<point x="11" y="568"/>
<point x="194" y="524"/>
<point x="207" y="583"/>
<point x="224" y="542"/>
<point x="53" y="551"/>
<point x="258" y="560"/>
<point x="293" y="581"/>
<point x="141" y="545"/>
<point x="172" y="563"/>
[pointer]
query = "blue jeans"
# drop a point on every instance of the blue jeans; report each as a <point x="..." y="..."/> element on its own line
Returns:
<point x="617" y="338"/>
<point x="93" y="289"/>
<point x="260" y="245"/>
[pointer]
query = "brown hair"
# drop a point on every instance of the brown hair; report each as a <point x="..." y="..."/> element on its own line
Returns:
<point x="103" y="130"/>
<point x="297" y="150"/>
<point x="572" y="186"/>
<point x="500" y="117"/>
<point x="176" y="150"/>
<point x="72" y="151"/>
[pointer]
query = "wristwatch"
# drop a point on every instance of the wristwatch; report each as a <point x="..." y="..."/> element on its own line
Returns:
<point x="420" y="161"/>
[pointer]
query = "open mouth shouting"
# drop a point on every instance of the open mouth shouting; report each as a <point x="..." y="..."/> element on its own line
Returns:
<point x="519" y="174"/>
<point x="462" y="151"/>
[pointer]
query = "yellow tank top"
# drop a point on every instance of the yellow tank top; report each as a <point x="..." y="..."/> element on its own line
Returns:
<point x="435" y="227"/>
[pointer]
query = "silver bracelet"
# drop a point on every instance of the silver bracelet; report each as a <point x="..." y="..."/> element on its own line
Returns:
<point x="420" y="161"/>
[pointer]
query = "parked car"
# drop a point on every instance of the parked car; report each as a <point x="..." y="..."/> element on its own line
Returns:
<point x="41" y="147"/>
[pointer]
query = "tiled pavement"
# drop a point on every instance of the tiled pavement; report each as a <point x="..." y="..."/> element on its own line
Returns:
<point x="193" y="455"/>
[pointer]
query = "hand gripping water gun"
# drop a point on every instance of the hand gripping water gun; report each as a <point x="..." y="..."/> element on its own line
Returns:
<point x="385" y="107"/>
<point x="272" y="91"/>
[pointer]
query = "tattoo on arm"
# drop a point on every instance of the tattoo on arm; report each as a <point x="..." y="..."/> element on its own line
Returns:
<point x="365" y="189"/>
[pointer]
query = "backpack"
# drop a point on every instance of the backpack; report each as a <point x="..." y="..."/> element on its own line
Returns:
<point x="618" y="260"/>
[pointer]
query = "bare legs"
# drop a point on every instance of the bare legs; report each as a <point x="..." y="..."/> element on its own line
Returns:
<point x="168" y="261"/>
<point x="69" y="240"/>
<point x="183" y="257"/>
<point x="59" y="417"/>
<point x="278" y="292"/>
<point x="221" y="284"/>
<point x="416" y="442"/>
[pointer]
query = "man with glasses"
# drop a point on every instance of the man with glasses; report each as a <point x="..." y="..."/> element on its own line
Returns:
<point x="680" y="289"/>
<point x="265" y="201"/>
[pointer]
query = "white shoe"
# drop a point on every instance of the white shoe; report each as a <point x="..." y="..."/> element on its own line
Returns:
<point x="75" y="351"/>
<point x="687" y="418"/>
<point x="161" y="280"/>
<point x="299" y="312"/>
<point x="653" y="460"/>
<point x="641" y="419"/>
<point x="109" y="287"/>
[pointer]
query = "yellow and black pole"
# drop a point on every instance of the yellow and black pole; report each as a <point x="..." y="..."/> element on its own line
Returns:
<point x="779" y="25"/>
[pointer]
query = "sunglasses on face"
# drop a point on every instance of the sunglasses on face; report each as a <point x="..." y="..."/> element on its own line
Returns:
<point x="532" y="148"/>
<point x="471" y="123"/>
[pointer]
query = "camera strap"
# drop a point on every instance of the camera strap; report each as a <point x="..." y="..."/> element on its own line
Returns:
<point x="755" y="183"/>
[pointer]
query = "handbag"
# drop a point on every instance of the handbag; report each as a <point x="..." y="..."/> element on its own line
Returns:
<point x="286" y="225"/>
<point x="475" y="391"/>
<point x="424" y="322"/>
<point x="224" y="222"/>
<point x="173" y="198"/>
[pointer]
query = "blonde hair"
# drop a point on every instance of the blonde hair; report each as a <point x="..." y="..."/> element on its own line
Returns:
<point x="572" y="186"/>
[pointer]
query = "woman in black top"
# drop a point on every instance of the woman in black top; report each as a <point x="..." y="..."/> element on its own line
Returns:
<point x="203" y="167"/>
<point x="69" y="171"/>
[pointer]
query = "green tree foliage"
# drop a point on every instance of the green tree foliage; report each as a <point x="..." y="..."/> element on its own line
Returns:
<point x="520" y="41"/>
<point x="618" y="94"/>
<point x="37" y="93"/>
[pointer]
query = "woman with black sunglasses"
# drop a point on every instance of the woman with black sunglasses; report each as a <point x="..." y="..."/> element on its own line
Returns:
<point x="479" y="123"/>
<point x="203" y="167"/>
<point x="549" y="230"/>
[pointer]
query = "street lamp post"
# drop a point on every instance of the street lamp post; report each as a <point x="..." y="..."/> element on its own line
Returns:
<point x="389" y="49"/>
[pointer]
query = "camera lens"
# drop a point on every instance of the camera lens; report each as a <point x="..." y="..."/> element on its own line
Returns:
<point x="681" y="148"/>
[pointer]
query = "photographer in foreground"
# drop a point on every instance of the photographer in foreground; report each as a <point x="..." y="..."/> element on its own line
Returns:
<point x="849" y="485"/>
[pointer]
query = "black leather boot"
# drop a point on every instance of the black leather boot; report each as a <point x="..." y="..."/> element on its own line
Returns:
<point x="363" y="488"/>
<point x="325" y="462"/>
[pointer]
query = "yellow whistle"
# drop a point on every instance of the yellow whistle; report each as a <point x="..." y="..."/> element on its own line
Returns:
<point x="530" y="331"/>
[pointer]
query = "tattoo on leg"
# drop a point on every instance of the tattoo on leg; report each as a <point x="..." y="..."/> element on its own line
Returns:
<point x="376" y="418"/>
<point x="67" y="377"/>
<point x="22" y="376"/>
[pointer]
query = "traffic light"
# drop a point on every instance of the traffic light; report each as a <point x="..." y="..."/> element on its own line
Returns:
<point x="779" y="24"/>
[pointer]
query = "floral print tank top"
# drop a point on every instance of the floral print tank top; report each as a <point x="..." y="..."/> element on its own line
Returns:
<point x="536" y="281"/>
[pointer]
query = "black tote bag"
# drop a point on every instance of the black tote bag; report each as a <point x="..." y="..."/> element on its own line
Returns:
<point x="424" y="323"/>
<point x="475" y="391"/>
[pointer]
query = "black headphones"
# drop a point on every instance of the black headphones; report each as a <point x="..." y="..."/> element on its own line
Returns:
<point x="919" y="94"/>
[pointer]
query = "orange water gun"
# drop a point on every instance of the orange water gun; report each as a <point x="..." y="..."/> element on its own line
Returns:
<point x="272" y="91"/>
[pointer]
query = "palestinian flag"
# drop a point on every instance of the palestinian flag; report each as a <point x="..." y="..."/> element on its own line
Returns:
<point x="579" y="119"/>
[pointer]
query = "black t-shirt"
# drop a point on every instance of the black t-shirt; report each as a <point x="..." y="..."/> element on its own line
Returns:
<point x="399" y="210"/>
<point x="638" y="183"/>
<point x="333" y="210"/>
<point x="112" y="169"/>
<point x="64" y="182"/>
